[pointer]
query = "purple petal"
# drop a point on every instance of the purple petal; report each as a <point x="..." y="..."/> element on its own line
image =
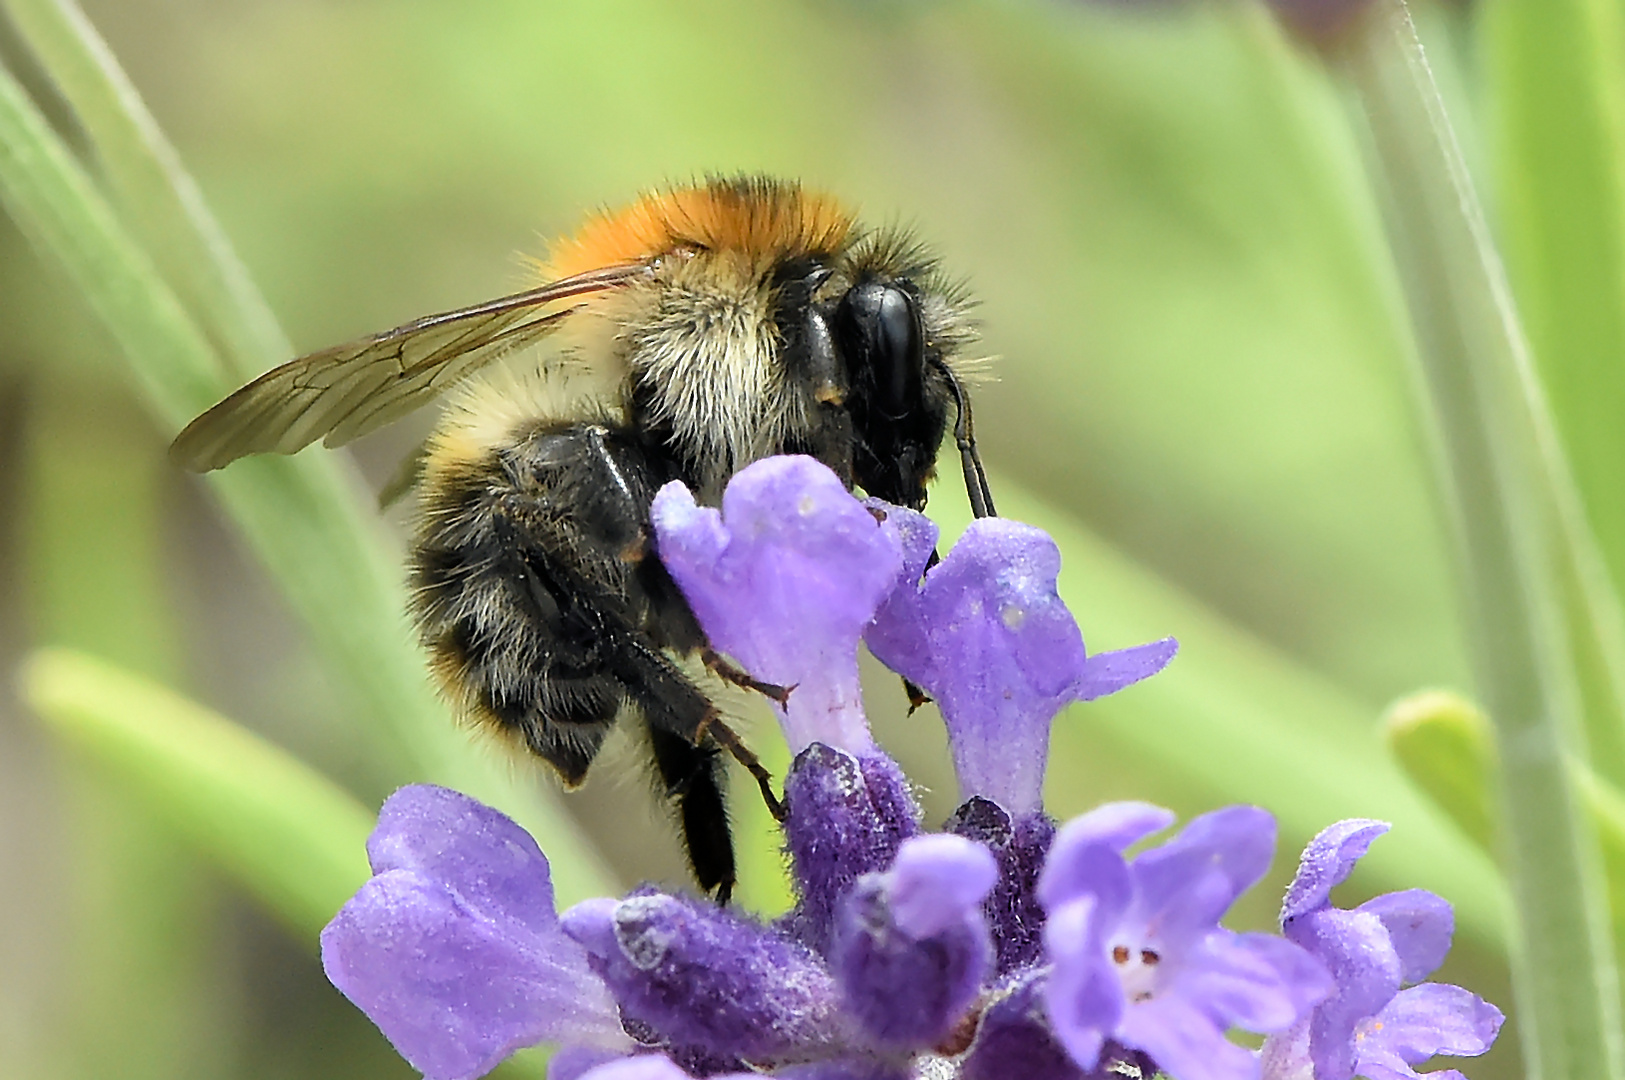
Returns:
<point x="455" y="991"/>
<point x="1236" y="842"/>
<point x="1082" y="996"/>
<point x="1079" y="866"/>
<point x="785" y="579"/>
<point x="989" y="637"/>
<point x="1108" y="672"/>
<point x="453" y="948"/>
<point x="1184" y="886"/>
<point x="911" y="948"/>
<point x="643" y="1067"/>
<point x="899" y="625"/>
<point x="1257" y="982"/>
<point x="899" y="635"/>
<point x="1185" y="1042"/>
<point x="1086" y="856"/>
<point x="482" y="856"/>
<point x="1385" y="1066"/>
<point x="700" y="976"/>
<point x="1286" y="1056"/>
<point x="1434" y="1018"/>
<point x="1001" y="654"/>
<point x="847" y="817"/>
<point x="591" y="924"/>
<point x="1119" y="825"/>
<point x="915" y="532"/>
<point x="1326" y="862"/>
<point x="1355" y="947"/>
<point x="937" y="881"/>
<point x="1419" y="926"/>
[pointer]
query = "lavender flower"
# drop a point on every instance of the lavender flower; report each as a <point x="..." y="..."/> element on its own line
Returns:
<point x="784" y="579"/>
<point x="1137" y="951"/>
<point x="705" y="980"/>
<point x="988" y="636"/>
<point x="998" y="949"/>
<point x="1370" y="1026"/>
<point x="911" y="950"/>
<point x="453" y="948"/>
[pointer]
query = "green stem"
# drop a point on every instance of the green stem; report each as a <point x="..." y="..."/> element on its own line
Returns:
<point x="1555" y="70"/>
<point x="1516" y="535"/>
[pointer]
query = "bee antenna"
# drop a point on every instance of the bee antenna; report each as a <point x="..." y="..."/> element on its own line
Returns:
<point x="981" y="499"/>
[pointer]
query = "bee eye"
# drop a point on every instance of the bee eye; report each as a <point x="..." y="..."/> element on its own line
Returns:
<point x="878" y="328"/>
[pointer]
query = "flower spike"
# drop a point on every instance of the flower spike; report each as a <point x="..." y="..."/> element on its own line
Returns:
<point x="1001" y="948"/>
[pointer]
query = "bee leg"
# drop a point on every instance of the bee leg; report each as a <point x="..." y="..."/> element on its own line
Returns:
<point x="743" y="754"/>
<point x="727" y="670"/>
<point x="693" y="779"/>
<point x="671" y="703"/>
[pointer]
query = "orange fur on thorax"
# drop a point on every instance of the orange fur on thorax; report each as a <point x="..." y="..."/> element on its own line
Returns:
<point x="766" y="221"/>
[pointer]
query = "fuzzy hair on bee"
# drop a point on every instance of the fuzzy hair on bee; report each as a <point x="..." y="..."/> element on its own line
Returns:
<point x="680" y="338"/>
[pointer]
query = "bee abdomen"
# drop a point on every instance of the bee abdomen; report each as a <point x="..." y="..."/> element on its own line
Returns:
<point x="526" y="585"/>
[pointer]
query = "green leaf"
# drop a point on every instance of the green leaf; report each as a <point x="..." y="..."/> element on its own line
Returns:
<point x="160" y="201"/>
<point x="1520" y="543"/>
<point x="1607" y="805"/>
<point x="1447" y="747"/>
<point x="304" y="516"/>
<point x="295" y="839"/>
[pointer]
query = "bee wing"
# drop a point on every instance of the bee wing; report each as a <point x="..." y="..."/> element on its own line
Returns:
<point x="344" y="392"/>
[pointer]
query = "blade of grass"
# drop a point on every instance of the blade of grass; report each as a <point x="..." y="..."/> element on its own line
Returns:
<point x="1607" y="805"/>
<point x="303" y="516"/>
<point x="1556" y="71"/>
<point x="159" y="199"/>
<point x="139" y="979"/>
<point x="294" y="839"/>
<point x="1505" y="480"/>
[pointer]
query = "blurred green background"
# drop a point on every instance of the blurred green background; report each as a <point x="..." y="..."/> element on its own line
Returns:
<point x="1202" y="389"/>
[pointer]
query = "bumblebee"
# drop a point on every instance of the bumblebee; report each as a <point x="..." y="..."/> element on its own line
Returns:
<point x="681" y="338"/>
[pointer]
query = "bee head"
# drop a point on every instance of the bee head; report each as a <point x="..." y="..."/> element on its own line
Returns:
<point x="898" y="411"/>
